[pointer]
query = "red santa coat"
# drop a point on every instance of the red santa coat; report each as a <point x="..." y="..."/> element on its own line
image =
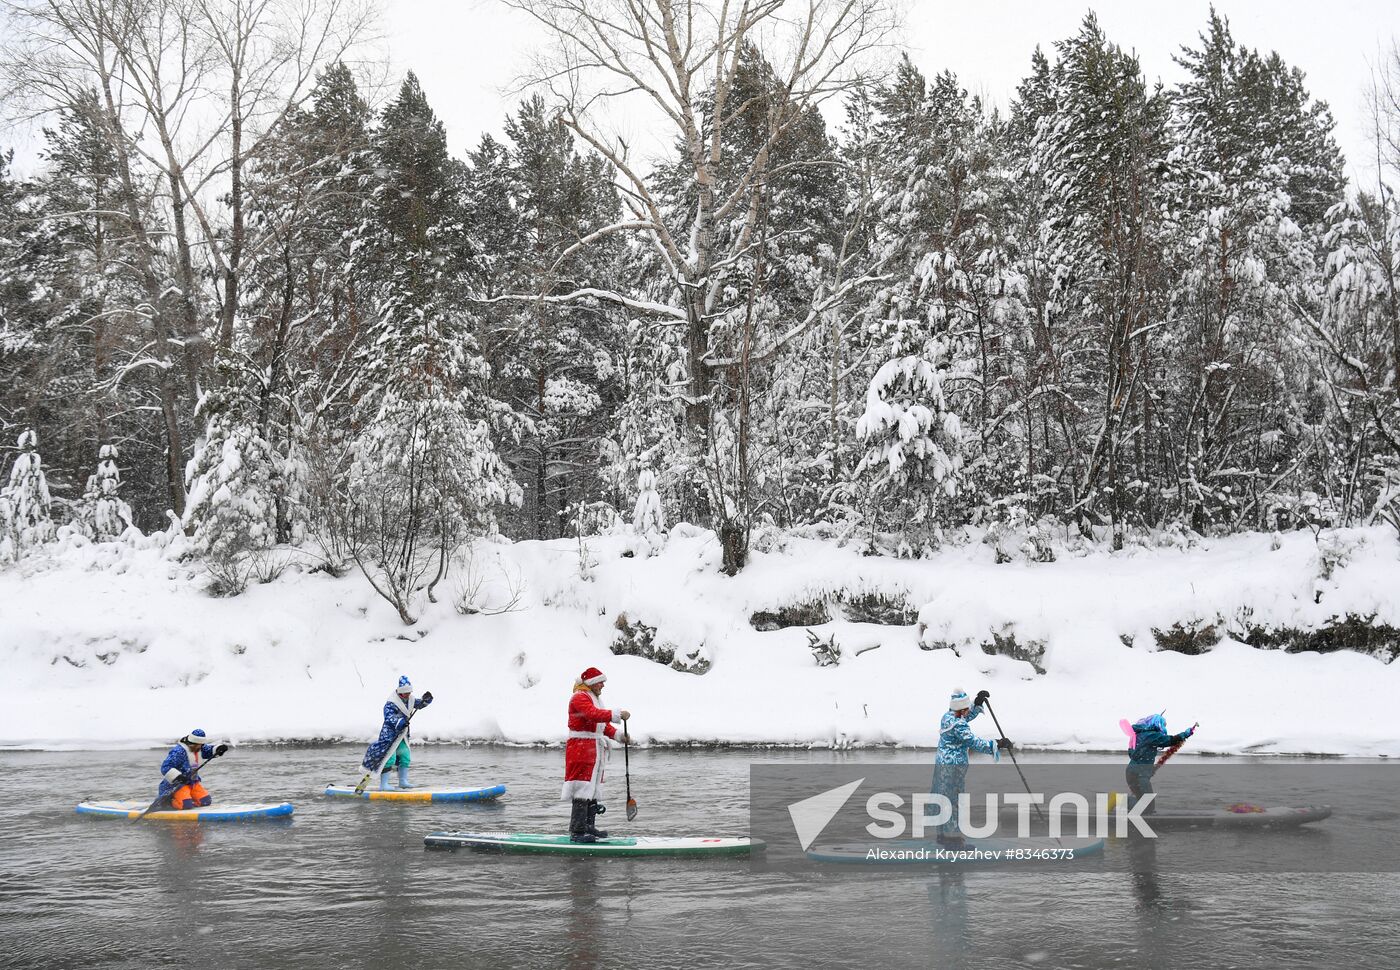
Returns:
<point x="590" y="728"/>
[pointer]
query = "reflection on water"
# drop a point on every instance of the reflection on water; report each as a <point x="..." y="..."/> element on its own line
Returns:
<point x="348" y="884"/>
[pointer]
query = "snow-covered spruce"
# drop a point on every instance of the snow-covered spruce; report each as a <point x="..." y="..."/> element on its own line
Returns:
<point x="25" y="522"/>
<point x="104" y="514"/>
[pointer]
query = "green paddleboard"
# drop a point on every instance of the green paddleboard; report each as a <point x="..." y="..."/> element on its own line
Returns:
<point x="561" y="844"/>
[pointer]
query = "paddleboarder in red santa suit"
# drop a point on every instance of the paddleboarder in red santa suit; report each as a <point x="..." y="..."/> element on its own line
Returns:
<point x="590" y="729"/>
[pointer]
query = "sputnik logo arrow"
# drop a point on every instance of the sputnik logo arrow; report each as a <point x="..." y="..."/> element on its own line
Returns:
<point x="811" y="815"/>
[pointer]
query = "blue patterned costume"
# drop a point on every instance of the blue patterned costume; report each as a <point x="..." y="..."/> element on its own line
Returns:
<point x="955" y="740"/>
<point x="1150" y="737"/>
<point x="179" y="759"/>
<point x="395" y="720"/>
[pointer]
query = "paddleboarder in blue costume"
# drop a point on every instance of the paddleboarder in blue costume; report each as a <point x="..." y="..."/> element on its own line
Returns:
<point x="396" y="710"/>
<point x="955" y="740"/>
<point x="179" y="772"/>
<point x="1149" y="736"/>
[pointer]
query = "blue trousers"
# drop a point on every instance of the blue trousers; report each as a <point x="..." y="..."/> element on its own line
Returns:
<point x="950" y="781"/>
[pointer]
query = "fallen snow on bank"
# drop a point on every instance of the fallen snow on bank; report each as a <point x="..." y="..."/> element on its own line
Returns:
<point x="104" y="648"/>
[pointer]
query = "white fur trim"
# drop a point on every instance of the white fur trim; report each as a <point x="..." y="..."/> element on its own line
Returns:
<point x="172" y="775"/>
<point x="592" y="787"/>
<point x="578" y="789"/>
<point x="594" y="681"/>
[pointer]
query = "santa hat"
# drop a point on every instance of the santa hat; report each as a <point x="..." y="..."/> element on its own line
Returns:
<point x="592" y="677"/>
<point x="197" y="736"/>
<point x="960" y="700"/>
<point x="404" y="686"/>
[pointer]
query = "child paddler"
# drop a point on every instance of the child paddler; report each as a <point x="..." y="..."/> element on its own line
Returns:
<point x="1149" y="736"/>
<point x="396" y="711"/>
<point x="590" y="729"/>
<point x="179" y="772"/>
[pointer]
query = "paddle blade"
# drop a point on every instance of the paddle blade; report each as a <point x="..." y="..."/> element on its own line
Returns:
<point x="163" y="799"/>
<point x="631" y="809"/>
<point x="360" y="788"/>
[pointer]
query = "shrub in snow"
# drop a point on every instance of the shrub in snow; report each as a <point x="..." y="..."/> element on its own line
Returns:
<point x="231" y="511"/>
<point x="636" y="639"/>
<point x="1191" y="637"/>
<point x="25" y="521"/>
<point x="1387" y="505"/>
<point x="103" y="513"/>
<point x="913" y="449"/>
<point x="425" y="477"/>
<point x="596" y="519"/>
<point x="886" y="609"/>
<point x="827" y="653"/>
<point x="1334" y="552"/>
<point x="806" y="613"/>
<point x="488" y="592"/>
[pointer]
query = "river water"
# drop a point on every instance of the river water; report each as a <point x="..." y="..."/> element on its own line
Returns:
<point x="349" y="884"/>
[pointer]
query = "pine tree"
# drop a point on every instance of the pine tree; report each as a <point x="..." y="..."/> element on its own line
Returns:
<point x="1240" y="261"/>
<point x="913" y="451"/>
<point x="232" y="510"/>
<point x="1357" y="339"/>
<point x="554" y="365"/>
<point x="105" y="515"/>
<point x="647" y="518"/>
<point x="1099" y="152"/>
<point x="944" y="234"/>
<point x="25" y="521"/>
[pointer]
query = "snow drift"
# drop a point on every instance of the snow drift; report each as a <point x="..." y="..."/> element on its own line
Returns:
<point x="117" y="644"/>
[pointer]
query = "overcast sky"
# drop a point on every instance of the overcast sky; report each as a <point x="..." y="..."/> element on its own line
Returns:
<point x="466" y="52"/>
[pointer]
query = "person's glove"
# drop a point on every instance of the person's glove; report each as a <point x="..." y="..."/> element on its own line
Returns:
<point x="981" y="698"/>
<point x="173" y="776"/>
<point x="427" y="697"/>
<point x="1004" y="744"/>
<point x="221" y="749"/>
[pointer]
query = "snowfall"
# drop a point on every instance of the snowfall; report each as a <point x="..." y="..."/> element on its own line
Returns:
<point x="119" y="645"/>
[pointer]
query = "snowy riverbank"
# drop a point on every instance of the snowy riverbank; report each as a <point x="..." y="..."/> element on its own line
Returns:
<point x="114" y="646"/>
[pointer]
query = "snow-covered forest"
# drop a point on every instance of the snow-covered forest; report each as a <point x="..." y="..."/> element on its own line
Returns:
<point x="851" y="382"/>
<point x="240" y="295"/>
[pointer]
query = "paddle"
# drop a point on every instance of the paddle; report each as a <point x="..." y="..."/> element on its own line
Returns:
<point x="627" y="775"/>
<point x="398" y="738"/>
<point x="165" y="799"/>
<point x="1174" y="748"/>
<point x="1011" y="751"/>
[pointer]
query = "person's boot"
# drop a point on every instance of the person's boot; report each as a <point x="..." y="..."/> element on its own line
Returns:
<point x="955" y="842"/>
<point x="591" y="827"/>
<point x="403" y="778"/>
<point x="578" y="822"/>
<point x="384" y="781"/>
